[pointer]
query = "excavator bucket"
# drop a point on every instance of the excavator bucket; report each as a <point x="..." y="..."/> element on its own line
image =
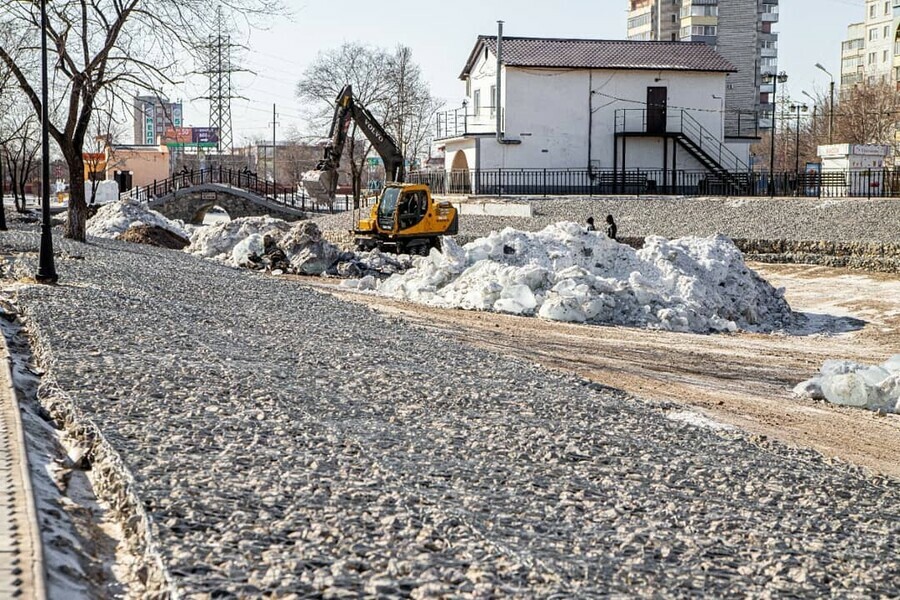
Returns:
<point x="319" y="186"/>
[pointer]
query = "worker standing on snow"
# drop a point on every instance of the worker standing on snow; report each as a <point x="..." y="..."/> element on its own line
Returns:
<point x="590" y="224"/>
<point x="611" y="228"/>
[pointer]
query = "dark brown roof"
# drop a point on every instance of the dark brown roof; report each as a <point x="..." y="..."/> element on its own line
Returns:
<point x="602" y="54"/>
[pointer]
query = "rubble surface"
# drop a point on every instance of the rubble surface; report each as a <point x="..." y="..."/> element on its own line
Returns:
<point x="285" y="441"/>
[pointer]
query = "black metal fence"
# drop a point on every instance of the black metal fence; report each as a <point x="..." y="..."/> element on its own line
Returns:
<point x="869" y="183"/>
<point x="271" y="191"/>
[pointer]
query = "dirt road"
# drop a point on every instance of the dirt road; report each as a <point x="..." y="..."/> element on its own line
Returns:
<point x="743" y="380"/>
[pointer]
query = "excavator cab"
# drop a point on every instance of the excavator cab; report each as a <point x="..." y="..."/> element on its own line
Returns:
<point x="406" y="219"/>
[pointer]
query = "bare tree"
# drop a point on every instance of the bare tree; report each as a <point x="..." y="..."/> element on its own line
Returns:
<point x="410" y="108"/>
<point x="365" y="69"/>
<point x="20" y="150"/>
<point x="868" y="114"/>
<point x="390" y="85"/>
<point x="111" y="46"/>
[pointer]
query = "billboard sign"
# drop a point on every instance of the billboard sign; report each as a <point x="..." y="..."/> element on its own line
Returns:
<point x="178" y="135"/>
<point x="191" y="137"/>
<point x="205" y="136"/>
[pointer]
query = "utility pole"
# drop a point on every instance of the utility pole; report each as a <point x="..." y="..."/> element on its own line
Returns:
<point x="274" y="122"/>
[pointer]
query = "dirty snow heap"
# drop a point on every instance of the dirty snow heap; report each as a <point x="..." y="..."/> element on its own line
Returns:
<point x="851" y="384"/>
<point x="116" y="218"/>
<point x="566" y="274"/>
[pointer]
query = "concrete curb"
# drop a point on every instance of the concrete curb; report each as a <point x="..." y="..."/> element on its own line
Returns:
<point x="39" y="582"/>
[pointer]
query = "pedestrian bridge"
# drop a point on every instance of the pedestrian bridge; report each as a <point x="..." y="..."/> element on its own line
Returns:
<point x="189" y="195"/>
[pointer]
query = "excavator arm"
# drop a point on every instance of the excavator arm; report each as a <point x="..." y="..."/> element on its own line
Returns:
<point x="321" y="183"/>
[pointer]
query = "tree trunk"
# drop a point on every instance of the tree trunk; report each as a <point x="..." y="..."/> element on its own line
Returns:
<point x="77" y="221"/>
<point x="2" y="200"/>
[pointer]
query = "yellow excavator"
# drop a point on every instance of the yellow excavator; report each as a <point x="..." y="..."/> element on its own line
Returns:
<point x="405" y="218"/>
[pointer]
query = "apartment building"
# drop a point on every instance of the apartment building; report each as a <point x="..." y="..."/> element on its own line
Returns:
<point x="871" y="52"/>
<point x="152" y="116"/>
<point x="740" y="30"/>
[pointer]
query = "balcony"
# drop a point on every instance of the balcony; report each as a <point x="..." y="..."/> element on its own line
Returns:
<point x="462" y="122"/>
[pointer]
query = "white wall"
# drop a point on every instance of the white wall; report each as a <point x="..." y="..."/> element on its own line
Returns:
<point x="482" y="77"/>
<point x="547" y="110"/>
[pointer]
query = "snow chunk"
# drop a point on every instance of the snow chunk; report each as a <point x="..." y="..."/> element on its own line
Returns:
<point x="116" y="218"/>
<point x="218" y="241"/>
<point x="107" y="192"/>
<point x="851" y="384"/>
<point x="563" y="273"/>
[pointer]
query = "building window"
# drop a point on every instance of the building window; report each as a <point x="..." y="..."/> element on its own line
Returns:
<point x="872" y="58"/>
<point x="885" y="57"/>
<point x="873" y="34"/>
<point x="494" y="100"/>
<point x="887" y="8"/>
<point x="887" y="31"/>
<point x="872" y="11"/>
<point x="476" y="101"/>
<point x="640" y="21"/>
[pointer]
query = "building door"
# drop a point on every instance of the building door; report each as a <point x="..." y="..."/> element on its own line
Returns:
<point x="657" y="98"/>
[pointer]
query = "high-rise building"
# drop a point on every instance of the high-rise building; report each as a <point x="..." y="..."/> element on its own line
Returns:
<point x="871" y="52"/>
<point x="152" y="116"/>
<point x="740" y="30"/>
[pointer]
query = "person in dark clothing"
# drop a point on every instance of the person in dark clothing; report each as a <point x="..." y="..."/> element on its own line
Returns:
<point x="611" y="229"/>
<point x="590" y="224"/>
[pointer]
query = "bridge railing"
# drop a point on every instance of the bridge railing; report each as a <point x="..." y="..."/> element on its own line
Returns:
<point x="240" y="179"/>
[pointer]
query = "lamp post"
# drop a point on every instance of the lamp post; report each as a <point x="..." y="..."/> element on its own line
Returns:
<point x="831" y="108"/>
<point x="797" y="108"/>
<point x="46" y="272"/>
<point x="772" y="78"/>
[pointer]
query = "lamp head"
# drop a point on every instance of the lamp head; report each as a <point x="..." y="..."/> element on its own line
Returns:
<point x="782" y="77"/>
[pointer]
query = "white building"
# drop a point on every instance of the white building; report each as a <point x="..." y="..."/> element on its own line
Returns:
<point x="615" y="111"/>
<point x="871" y="52"/>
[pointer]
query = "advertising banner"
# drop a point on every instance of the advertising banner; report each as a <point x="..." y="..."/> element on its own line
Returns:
<point x="178" y="135"/>
<point x="205" y="136"/>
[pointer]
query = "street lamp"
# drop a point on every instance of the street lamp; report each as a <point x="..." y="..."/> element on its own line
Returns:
<point x="831" y="108"/>
<point x="797" y="108"/>
<point x="46" y="272"/>
<point x="774" y="80"/>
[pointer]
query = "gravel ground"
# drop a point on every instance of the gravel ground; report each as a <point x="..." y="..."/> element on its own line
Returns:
<point x="285" y="442"/>
<point x="850" y="220"/>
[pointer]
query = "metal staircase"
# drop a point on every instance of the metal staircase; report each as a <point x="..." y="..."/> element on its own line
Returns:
<point x="728" y="174"/>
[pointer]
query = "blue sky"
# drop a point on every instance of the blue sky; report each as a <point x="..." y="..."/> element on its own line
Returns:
<point x="442" y="34"/>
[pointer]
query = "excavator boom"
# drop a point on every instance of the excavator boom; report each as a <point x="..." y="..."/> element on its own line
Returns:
<point x="321" y="183"/>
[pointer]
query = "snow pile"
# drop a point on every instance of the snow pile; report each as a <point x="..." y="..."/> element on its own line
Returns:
<point x="267" y="243"/>
<point x="852" y="384"/>
<point x="364" y="268"/>
<point x="116" y="218"/>
<point x="218" y="242"/>
<point x="566" y="274"/>
<point x="107" y="191"/>
<point x="307" y="252"/>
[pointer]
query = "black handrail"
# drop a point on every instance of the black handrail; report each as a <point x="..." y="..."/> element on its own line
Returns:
<point x="863" y="183"/>
<point x="240" y="179"/>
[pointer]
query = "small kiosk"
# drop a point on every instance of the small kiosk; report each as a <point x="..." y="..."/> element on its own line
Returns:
<point x="853" y="169"/>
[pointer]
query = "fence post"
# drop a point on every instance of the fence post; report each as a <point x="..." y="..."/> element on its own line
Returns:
<point x="499" y="182"/>
<point x="639" y="186"/>
<point x="869" y="184"/>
